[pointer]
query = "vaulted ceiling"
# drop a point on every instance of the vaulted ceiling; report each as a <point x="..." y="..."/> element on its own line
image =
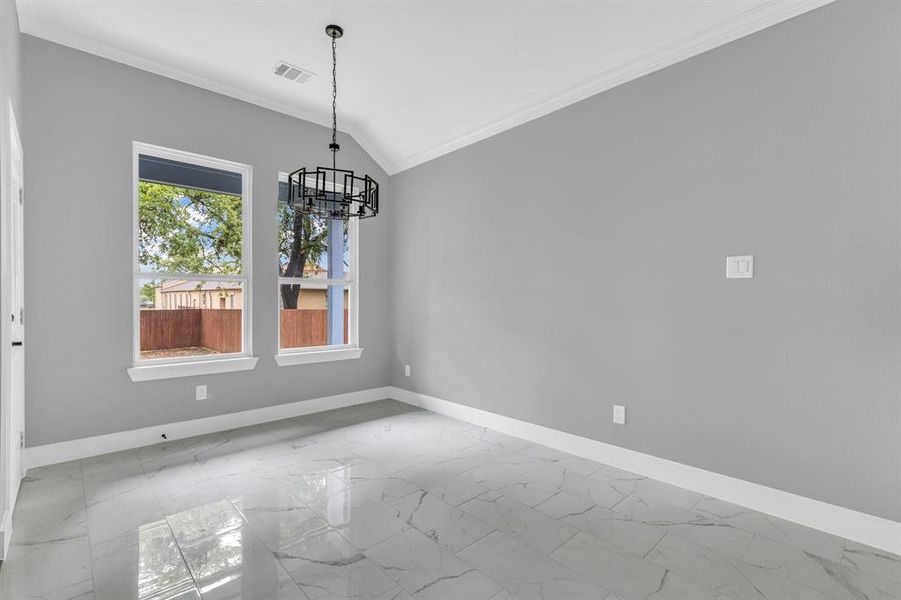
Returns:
<point x="416" y="79"/>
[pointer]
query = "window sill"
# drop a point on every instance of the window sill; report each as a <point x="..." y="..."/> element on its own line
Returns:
<point x="187" y="369"/>
<point x="287" y="359"/>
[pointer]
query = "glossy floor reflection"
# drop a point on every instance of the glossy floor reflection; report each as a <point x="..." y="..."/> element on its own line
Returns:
<point x="382" y="501"/>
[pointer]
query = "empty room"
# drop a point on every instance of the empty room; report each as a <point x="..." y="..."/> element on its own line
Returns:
<point x="450" y="300"/>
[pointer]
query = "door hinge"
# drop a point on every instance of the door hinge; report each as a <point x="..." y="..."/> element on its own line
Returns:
<point x="21" y="196"/>
<point x="22" y="316"/>
<point x="21" y="439"/>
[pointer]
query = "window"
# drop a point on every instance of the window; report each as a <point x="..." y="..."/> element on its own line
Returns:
<point x="192" y="246"/>
<point x="317" y="286"/>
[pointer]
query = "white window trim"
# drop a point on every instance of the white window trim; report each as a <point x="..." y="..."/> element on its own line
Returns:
<point x="317" y="354"/>
<point x="165" y="368"/>
<point x="188" y="369"/>
<point x="311" y="356"/>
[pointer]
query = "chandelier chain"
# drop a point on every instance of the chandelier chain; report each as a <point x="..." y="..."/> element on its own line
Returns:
<point x="334" y="92"/>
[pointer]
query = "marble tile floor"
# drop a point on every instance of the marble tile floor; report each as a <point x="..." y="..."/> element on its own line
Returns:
<point x="383" y="501"/>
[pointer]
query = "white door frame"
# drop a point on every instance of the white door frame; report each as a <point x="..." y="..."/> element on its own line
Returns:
<point x="12" y="422"/>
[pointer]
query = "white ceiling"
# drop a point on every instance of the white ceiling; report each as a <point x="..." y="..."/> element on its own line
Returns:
<point x="416" y="79"/>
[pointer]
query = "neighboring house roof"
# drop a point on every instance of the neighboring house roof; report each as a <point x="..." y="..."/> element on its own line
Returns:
<point x="184" y="285"/>
<point x="315" y="271"/>
<point x="181" y="285"/>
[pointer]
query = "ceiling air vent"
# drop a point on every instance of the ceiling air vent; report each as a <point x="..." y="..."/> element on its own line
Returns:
<point x="283" y="69"/>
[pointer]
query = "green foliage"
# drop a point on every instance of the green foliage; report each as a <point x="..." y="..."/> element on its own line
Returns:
<point x="148" y="292"/>
<point x="189" y="231"/>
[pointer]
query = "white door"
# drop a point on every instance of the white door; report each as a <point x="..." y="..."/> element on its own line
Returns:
<point x="12" y="332"/>
<point x="16" y="199"/>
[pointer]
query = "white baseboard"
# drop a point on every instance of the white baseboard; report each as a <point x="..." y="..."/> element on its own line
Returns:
<point x="843" y="522"/>
<point x="6" y="532"/>
<point x="853" y="525"/>
<point x="49" y="454"/>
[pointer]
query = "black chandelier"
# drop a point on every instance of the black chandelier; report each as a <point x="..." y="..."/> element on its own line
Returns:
<point x="331" y="192"/>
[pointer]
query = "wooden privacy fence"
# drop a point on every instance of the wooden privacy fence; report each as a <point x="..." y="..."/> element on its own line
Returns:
<point x="300" y="328"/>
<point x="220" y="329"/>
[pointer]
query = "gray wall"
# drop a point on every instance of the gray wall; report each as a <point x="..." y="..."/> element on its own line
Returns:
<point x="578" y="260"/>
<point x="79" y="126"/>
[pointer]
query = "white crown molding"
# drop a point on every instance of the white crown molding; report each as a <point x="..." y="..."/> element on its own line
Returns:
<point x="30" y="24"/>
<point x="837" y="520"/>
<point x="372" y="149"/>
<point x="746" y="23"/>
<point x="724" y="32"/>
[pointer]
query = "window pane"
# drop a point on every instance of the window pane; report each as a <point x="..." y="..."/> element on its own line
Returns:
<point x="188" y="230"/>
<point x="313" y="315"/>
<point x="304" y="244"/>
<point x="182" y="318"/>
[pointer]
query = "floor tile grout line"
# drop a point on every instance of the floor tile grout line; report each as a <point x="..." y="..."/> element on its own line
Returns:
<point x="566" y="541"/>
<point x="748" y="547"/>
<point x="578" y="575"/>
<point x="87" y="525"/>
<point x="181" y="554"/>
<point x="679" y="571"/>
<point x="410" y="493"/>
<point x="485" y="575"/>
<point x="517" y="537"/>
<point x="252" y="530"/>
<point x="285" y="569"/>
<point x="773" y="539"/>
<point x="488" y="526"/>
<point x="621" y="500"/>
<point x="546" y="500"/>
<point x="476" y="541"/>
<point x="695" y="503"/>
<point x="729" y="560"/>
<point x="366" y="556"/>
<point x="657" y="543"/>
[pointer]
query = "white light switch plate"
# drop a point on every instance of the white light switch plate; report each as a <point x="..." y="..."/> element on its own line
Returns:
<point x="200" y="392"/>
<point x="739" y="267"/>
<point x="619" y="414"/>
<point x="407" y="370"/>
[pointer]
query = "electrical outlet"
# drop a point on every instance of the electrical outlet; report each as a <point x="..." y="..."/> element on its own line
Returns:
<point x="407" y="370"/>
<point x="619" y="414"/>
<point x="200" y="392"/>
